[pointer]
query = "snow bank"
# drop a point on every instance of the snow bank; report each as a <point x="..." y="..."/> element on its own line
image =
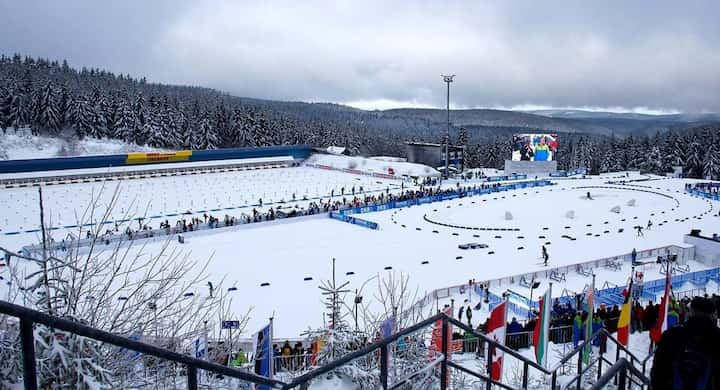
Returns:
<point x="21" y="144"/>
<point x="369" y="165"/>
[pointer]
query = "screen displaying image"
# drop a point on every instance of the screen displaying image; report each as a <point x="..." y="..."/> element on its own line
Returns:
<point x="534" y="147"/>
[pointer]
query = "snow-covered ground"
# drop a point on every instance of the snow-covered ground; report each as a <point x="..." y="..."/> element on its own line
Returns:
<point x="21" y="144"/>
<point x="278" y="266"/>
<point x="163" y="198"/>
<point x="285" y="255"/>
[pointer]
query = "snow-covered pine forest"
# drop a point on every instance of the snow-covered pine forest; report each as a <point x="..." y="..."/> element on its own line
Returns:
<point x="52" y="98"/>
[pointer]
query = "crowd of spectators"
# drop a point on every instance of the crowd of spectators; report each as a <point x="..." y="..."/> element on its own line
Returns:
<point x="567" y="324"/>
<point x="350" y="199"/>
<point x="709" y="187"/>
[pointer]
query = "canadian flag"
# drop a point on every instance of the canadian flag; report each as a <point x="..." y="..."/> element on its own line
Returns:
<point x="496" y="330"/>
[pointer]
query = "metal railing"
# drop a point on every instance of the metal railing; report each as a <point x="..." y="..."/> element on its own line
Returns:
<point x="553" y="372"/>
<point x="29" y="317"/>
<point x="619" y="373"/>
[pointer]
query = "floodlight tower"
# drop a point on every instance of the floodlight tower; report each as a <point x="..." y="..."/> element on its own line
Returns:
<point x="447" y="79"/>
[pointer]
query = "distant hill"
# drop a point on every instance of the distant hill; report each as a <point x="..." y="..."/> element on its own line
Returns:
<point x="624" y="124"/>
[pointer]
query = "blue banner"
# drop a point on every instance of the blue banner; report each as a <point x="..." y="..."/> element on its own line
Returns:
<point x="263" y="356"/>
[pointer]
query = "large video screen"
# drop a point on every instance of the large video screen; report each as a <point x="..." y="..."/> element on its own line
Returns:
<point x="534" y="147"/>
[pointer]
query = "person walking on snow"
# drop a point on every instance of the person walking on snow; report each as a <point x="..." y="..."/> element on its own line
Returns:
<point x="468" y="315"/>
<point x="639" y="231"/>
<point x="460" y="313"/>
<point x="545" y="255"/>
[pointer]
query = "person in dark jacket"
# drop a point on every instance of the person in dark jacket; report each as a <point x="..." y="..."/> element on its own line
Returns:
<point x="688" y="356"/>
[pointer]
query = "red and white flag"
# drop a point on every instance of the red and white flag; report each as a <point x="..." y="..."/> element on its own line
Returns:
<point x="662" y="323"/>
<point x="496" y="330"/>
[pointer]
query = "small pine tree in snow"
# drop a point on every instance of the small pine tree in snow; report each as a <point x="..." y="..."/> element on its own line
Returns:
<point x="337" y="337"/>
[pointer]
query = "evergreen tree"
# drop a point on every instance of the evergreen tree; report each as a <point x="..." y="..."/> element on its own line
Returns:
<point x="81" y="117"/>
<point x="124" y="122"/>
<point x="140" y="114"/>
<point x="48" y="114"/>
<point x="206" y="138"/>
<point x="5" y="103"/>
<point x="238" y="130"/>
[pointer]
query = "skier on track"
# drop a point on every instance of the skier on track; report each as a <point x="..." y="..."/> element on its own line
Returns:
<point x="639" y="231"/>
<point x="649" y="225"/>
<point x="545" y="255"/>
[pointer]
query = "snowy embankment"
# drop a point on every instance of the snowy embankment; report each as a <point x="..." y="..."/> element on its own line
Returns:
<point x="370" y="165"/>
<point x="21" y="144"/>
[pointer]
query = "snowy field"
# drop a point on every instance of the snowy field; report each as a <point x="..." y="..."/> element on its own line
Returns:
<point x="277" y="267"/>
<point x="172" y="198"/>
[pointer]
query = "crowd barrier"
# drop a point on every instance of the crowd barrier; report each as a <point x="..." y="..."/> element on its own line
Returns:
<point x="505" y="178"/>
<point x="353" y="220"/>
<point x="612" y="295"/>
<point x="442" y="197"/>
<point x="72" y="242"/>
<point x="703" y="194"/>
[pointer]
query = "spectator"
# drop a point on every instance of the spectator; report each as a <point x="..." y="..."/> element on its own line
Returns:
<point x="688" y="356"/>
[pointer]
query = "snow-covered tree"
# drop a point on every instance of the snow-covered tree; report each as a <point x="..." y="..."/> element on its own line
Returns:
<point x="157" y="298"/>
<point x="711" y="162"/>
<point x="48" y="115"/>
<point x="206" y="138"/>
<point x="81" y="117"/>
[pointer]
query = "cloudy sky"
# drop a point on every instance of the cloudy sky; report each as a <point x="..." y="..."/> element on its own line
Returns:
<point x="647" y="56"/>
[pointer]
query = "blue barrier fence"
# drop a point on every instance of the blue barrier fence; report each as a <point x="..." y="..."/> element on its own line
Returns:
<point x="353" y="220"/>
<point x="613" y="295"/>
<point x="704" y="194"/>
<point x="442" y="197"/>
<point x="115" y="160"/>
<point x="506" y="177"/>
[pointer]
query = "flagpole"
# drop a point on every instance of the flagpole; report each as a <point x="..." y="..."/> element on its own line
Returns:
<point x="630" y="293"/>
<point x="270" y="350"/>
<point x="547" y="336"/>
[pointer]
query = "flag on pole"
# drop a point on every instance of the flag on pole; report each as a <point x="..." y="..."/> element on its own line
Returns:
<point x="387" y="328"/>
<point x="623" y="326"/>
<point x="664" y="309"/>
<point x="542" y="328"/>
<point x="263" y="356"/>
<point x="496" y="330"/>
<point x="200" y="347"/>
<point x="436" y="338"/>
<point x="590" y="308"/>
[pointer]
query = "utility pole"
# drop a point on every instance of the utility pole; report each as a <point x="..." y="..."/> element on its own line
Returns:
<point x="447" y="79"/>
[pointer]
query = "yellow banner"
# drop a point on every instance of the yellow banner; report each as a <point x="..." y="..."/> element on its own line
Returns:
<point x="156" y="157"/>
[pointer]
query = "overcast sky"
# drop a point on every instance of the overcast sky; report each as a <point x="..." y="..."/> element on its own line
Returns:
<point x="647" y="56"/>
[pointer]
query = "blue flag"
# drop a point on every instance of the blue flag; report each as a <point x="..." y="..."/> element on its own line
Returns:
<point x="264" y="353"/>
